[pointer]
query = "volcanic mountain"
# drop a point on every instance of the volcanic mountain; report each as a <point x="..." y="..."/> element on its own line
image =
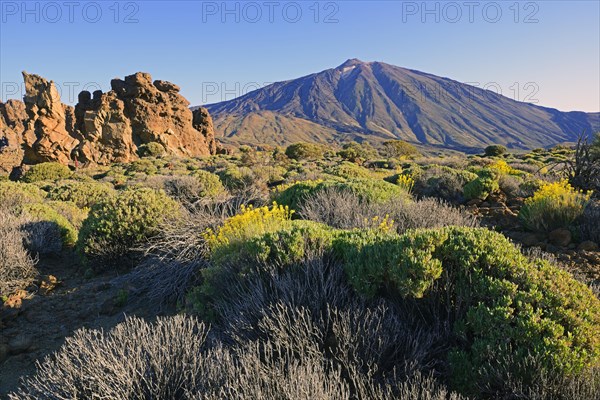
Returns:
<point x="375" y="101"/>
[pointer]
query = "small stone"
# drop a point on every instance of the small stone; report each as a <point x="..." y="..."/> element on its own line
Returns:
<point x="560" y="237"/>
<point x="20" y="344"/>
<point x="530" y="239"/>
<point x="588" y="245"/>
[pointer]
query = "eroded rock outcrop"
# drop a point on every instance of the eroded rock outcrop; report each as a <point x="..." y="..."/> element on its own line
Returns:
<point x="102" y="128"/>
<point x="12" y="125"/>
<point x="46" y="136"/>
<point x="138" y="111"/>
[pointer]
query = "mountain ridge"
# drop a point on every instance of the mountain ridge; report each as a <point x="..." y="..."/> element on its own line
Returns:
<point x="376" y="101"/>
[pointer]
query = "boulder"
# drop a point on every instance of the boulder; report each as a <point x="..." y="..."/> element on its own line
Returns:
<point x="560" y="237"/>
<point x="588" y="245"/>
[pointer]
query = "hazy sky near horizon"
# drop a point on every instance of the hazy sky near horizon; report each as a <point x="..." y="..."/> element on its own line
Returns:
<point x="545" y="52"/>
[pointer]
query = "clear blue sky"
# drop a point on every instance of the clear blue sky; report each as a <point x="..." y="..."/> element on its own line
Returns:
<point x="546" y="51"/>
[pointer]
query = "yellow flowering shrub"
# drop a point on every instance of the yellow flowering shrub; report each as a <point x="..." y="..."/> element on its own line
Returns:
<point x="249" y="223"/>
<point x="383" y="225"/>
<point x="406" y="182"/>
<point x="554" y="205"/>
<point x="502" y="168"/>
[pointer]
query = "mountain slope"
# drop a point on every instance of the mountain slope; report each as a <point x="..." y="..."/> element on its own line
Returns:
<point x="378" y="101"/>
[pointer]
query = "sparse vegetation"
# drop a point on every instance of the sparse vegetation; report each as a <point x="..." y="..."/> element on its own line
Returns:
<point x="366" y="279"/>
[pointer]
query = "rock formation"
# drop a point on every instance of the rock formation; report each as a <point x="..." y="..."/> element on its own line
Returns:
<point x="46" y="135"/>
<point x="103" y="127"/>
<point x="12" y="125"/>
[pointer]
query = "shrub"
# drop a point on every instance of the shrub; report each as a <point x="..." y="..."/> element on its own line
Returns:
<point x="398" y="149"/>
<point x="41" y="237"/>
<point x="440" y="181"/>
<point x="251" y="222"/>
<point x="501" y="167"/>
<point x="305" y="151"/>
<point x="190" y="189"/>
<point x="503" y="303"/>
<point x="370" y="190"/>
<point x="13" y="195"/>
<point x="235" y="178"/>
<point x="143" y="166"/>
<point x="135" y="359"/>
<point x="554" y="205"/>
<point x="70" y="211"/>
<point x="349" y="170"/>
<point x="495" y="150"/>
<point x="152" y="149"/>
<point x="46" y="212"/>
<point x="48" y="171"/>
<point x="344" y="210"/>
<point x="482" y="186"/>
<point x="357" y="152"/>
<point x="17" y="267"/>
<point x="171" y="359"/>
<point x="83" y="194"/>
<point x="118" y="223"/>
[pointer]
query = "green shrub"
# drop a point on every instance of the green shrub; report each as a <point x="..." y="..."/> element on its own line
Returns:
<point x="357" y="152"/>
<point x="504" y="303"/>
<point x="48" y="171"/>
<point x="118" y="223"/>
<point x="143" y="166"/>
<point x="152" y="149"/>
<point x="495" y="150"/>
<point x="84" y="194"/>
<point x="372" y="190"/>
<point x="235" y="178"/>
<point x="481" y="187"/>
<point x="289" y="244"/>
<point x="348" y="170"/>
<point x="305" y="151"/>
<point x="13" y="195"/>
<point x="398" y="149"/>
<point x="71" y="211"/>
<point x="46" y="212"/>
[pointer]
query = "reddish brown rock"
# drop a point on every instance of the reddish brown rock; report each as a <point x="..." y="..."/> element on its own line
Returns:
<point x="103" y="127"/>
<point x="203" y="122"/>
<point x="137" y="111"/>
<point x="46" y="136"/>
<point x="12" y="124"/>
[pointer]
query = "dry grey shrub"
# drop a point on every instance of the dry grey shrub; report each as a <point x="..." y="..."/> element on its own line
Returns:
<point x="546" y="385"/>
<point x="17" y="267"/>
<point x="588" y="226"/>
<point x="174" y="257"/>
<point x="171" y="359"/>
<point x="343" y="209"/>
<point x="135" y="360"/>
<point x="378" y="340"/>
<point x="41" y="237"/>
<point x="454" y="161"/>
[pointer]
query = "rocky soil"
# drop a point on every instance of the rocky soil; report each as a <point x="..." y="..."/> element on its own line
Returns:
<point x="35" y="322"/>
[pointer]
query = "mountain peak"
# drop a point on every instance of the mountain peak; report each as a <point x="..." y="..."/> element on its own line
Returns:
<point x="375" y="101"/>
<point x="351" y="63"/>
